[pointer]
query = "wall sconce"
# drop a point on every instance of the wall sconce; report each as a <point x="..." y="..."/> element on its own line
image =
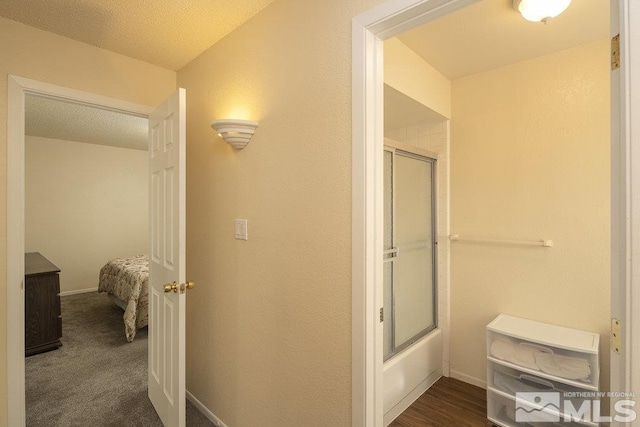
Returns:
<point x="236" y="133"/>
<point x="540" y="10"/>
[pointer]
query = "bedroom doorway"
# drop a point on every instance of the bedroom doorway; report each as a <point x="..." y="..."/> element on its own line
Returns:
<point x="95" y="164"/>
<point x="18" y="88"/>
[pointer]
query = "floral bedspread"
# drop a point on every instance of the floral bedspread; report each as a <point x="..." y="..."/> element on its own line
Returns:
<point x="127" y="279"/>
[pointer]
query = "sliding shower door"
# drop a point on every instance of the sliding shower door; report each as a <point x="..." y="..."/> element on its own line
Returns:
<point x="409" y="249"/>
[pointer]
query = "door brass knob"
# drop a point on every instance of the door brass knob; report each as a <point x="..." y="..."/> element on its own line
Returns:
<point x="171" y="287"/>
<point x="182" y="287"/>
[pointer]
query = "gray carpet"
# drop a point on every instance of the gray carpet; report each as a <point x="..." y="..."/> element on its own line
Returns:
<point x="96" y="378"/>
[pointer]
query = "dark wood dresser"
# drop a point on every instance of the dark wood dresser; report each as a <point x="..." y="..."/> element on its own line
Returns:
<point x="42" y="316"/>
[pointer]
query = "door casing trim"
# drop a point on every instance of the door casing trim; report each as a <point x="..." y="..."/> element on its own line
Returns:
<point x="18" y="87"/>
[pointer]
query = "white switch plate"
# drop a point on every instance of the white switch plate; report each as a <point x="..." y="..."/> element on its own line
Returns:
<point x="241" y="229"/>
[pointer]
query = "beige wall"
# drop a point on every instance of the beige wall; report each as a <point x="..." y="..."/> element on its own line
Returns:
<point x="84" y="205"/>
<point x="35" y="54"/>
<point x="530" y="160"/>
<point x="269" y="334"/>
<point x="406" y="72"/>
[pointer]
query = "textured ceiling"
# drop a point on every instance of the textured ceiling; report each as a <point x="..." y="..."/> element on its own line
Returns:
<point x="167" y="33"/>
<point x="58" y="119"/>
<point x="491" y="34"/>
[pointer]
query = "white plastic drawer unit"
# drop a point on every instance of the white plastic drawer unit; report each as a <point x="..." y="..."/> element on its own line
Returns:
<point x="543" y="361"/>
<point x="501" y="411"/>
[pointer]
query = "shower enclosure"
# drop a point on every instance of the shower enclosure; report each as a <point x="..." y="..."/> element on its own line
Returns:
<point x="409" y="249"/>
<point x="412" y="340"/>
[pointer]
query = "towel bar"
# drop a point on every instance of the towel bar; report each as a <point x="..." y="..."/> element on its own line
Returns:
<point x="542" y="242"/>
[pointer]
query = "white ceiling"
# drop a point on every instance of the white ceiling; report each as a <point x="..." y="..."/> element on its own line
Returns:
<point x="58" y="119"/>
<point x="167" y="33"/>
<point x="491" y="34"/>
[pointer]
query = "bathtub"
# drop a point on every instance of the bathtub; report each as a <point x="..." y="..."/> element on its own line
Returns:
<point x="409" y="374"/>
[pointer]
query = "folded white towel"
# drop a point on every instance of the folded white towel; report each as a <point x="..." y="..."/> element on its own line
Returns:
<point x="512" y="384"/>
<point x="519" y="354"/>
<point x="572" y="368"/>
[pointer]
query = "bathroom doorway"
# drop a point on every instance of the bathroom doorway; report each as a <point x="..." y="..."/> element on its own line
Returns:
<point x="369" y="31"/>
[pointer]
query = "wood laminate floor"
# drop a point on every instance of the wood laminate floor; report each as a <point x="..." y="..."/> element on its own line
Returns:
<point x="448" y="403"/>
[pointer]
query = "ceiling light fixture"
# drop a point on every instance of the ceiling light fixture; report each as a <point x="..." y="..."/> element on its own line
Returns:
<point x="540" y="10"/>
<point x="236" y="133"/>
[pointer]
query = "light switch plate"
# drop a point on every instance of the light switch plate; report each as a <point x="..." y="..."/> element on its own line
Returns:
<point x="241" y="229"/>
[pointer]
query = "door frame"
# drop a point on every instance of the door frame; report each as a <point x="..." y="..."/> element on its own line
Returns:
<point x="625" y="198"/>
<point x="394" y="17"/>
<point x="18" y="87"/>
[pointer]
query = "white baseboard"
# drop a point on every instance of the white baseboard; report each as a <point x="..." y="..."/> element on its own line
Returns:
<point x="78" y="291"/>
<point x="207" y="413"/>
<point x="468" y="379"/>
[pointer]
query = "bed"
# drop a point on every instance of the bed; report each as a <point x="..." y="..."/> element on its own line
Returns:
<point x="126" y="282"/>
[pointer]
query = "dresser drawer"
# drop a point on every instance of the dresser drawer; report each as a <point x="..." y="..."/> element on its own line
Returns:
<point x="503" y="411"/>
<point x="43" y="321"/>
<point x="538" y="373"/>
<point x="511" y="381"/>
<point x="543" y="352"/>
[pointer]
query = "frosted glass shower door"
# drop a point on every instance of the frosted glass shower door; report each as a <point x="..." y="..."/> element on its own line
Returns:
<point x="409" y="239"/>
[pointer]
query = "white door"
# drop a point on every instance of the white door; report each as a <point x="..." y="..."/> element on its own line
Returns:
<point x="167" y="151"/>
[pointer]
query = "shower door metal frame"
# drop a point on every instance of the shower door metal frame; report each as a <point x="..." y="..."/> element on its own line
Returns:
<point x="391" y="255"/>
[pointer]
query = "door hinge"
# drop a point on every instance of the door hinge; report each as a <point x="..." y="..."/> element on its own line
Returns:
<point x="381" y="314"/>
<point x="615" y="335"/>
<point x="615" y="52"/>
